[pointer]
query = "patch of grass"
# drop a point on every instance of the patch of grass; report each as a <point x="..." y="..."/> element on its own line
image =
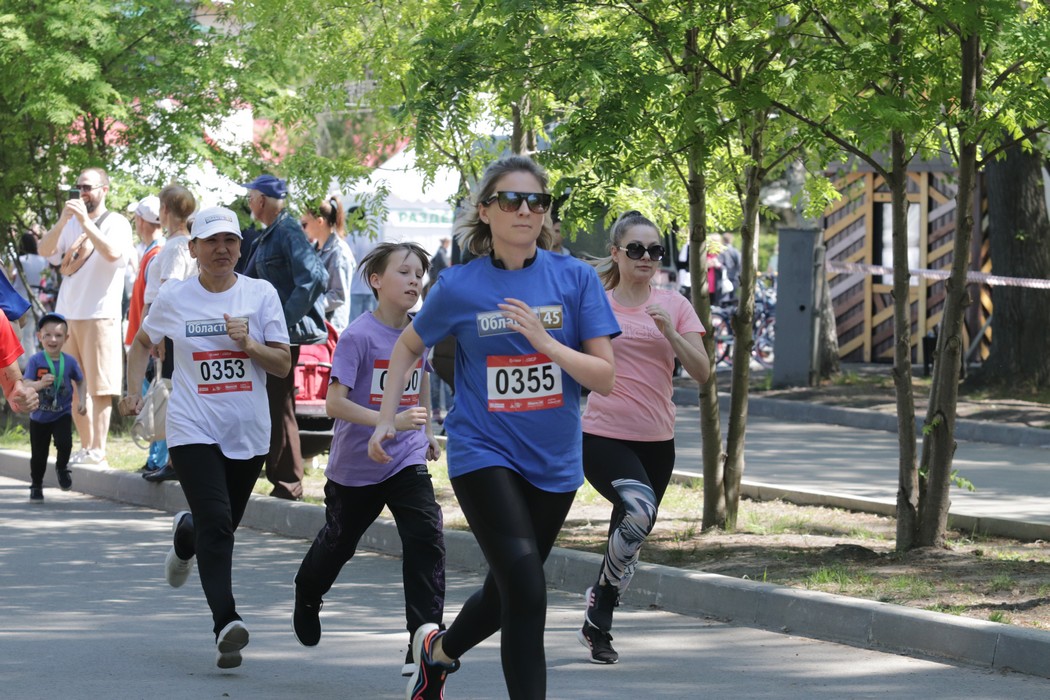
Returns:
<point x="910" y="587"/>
<point x="998" y="616"/>
<point x="1000" y="583"/>
<point x="863" y="533"/>
<point x="758" y="524"/>
<point x="831" y="576"/>
<point x="945" y="608"/>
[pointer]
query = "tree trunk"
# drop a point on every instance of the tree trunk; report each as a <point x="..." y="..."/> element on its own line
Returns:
<point x="742" y="320"/>
<point x="1019" y="238"/>
<point x="827" y="339"/>
<point x="939" y="429"/>
<point x="517" y="131"/>
<point x="907" y="471"/>
<point x="710" y="419"/>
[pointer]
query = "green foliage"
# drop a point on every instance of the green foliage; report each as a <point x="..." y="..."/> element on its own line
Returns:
<point x="126" y="85"/>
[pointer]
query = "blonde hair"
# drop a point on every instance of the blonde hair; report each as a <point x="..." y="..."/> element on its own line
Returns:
<point x="608" y="270"/>
<point x="474" y="234"/>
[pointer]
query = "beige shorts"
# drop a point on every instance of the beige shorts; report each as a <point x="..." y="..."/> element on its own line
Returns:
<point x="96" y="344"/>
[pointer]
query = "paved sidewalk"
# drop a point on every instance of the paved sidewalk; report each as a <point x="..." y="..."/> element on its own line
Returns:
<point x="823" y="455"/>
<point x="87" y="615"/>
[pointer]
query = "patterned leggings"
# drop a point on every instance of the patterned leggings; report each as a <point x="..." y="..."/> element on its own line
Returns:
<point x="633" y="475"/>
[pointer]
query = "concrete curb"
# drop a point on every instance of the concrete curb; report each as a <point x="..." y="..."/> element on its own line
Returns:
<point x="808" y="412"/>
<point x="791" y="611"/>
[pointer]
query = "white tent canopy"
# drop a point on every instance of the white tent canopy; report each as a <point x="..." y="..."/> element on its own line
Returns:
<point x="416" y="211"/>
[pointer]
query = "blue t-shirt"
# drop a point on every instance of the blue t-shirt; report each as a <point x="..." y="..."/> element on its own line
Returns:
<point x="360" y="364"/>
<point x="53" y="404"/>
<point x="514" y="407"/>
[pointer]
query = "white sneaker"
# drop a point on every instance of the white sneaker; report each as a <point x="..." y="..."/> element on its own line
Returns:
<point x="93" y="457"/>
<point x="177" y="570"/>
<point x="232" y="639"/>
<point x="78" y="456"/>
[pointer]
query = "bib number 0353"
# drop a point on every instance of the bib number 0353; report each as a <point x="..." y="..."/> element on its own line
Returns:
<point x="222" y="371"/>
<point x="523" y="383"/>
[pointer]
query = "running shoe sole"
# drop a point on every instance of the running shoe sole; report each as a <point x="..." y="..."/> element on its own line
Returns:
<point x="232" y="639"/>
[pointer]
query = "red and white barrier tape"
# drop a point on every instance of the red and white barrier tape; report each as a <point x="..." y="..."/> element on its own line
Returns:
<point x="971" y="277"/>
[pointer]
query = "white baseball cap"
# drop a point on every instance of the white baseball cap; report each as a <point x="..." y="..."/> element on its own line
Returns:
<point x="208" y="222"/>
<point x="149" y="209"/>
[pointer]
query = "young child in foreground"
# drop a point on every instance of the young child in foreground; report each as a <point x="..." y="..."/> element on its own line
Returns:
<point x="52" y="373"/>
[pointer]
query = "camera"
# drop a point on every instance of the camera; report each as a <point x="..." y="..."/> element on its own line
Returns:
<point x="73" y="193"/>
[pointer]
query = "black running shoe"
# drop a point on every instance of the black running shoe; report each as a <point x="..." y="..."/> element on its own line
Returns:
<point x="65" y="479"/>
<point x="36" y="494"/>
<point x="306" y="620"/>
<point x="600" y="644"/>
<point x="600" y="603"/>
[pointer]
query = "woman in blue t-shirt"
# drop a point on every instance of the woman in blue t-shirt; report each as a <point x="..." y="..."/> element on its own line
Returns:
<point x="531" y="329"/>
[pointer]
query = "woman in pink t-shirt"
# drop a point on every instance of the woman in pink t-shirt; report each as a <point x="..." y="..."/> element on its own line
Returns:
<point x="628" y="436"/>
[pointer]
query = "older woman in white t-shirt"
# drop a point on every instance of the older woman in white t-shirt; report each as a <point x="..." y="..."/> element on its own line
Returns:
<point x="228" y="332"/>
<point x="628" y="436"/>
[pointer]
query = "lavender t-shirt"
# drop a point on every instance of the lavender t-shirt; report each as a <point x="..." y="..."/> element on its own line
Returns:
<point x="360" y="364"/>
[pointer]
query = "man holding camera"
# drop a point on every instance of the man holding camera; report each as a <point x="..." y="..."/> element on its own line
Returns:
<point x="93" y="246"/>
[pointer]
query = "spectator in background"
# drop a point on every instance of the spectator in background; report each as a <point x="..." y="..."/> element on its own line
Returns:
<point x="441" y="259"/>
<point x="151" y="241"/>
<point x="173" y="262"/>
<point x="29" y="270"/>
<point x="283" y="256"/>
<point x="772" y="267"/>
<point x="729" y="260"/>
<point x="90" y="300"/>
<point x="557" y="242"/>
<point x="361" y="297"/>
<point x="151" y="238"/>
<point x="440" y="392"/>
<point x="324" y="223"/>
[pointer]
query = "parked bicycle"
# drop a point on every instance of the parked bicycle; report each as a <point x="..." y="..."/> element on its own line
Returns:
<point x="763" y="327"/>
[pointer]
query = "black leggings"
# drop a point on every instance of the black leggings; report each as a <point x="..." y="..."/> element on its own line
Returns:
<point x="515" y="525"/>
<point x="40" y="435"/>
<point x="350" y="510"/>
<point x="633" y="475"/>
<point x="217" y="489"/>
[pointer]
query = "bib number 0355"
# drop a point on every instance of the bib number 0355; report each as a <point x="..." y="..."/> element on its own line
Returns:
<point x="523" y="383"/>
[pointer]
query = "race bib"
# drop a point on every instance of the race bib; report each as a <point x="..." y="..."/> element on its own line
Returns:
<point x="380" y="372"/>
<point x="523" y="383"/>
<point x="222" y="371"/>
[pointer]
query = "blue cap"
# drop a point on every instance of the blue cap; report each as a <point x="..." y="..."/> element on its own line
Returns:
<point x="50" y="318"/>
<point x="269" y="185"/>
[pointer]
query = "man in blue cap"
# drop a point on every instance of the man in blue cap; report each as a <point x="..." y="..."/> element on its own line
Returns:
<point x="283" y="256"/>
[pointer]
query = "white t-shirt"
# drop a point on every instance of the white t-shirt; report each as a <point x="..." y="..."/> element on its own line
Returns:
<point x="96" y="289"/>
<point x="173" y="262"/>
<point x="218" y="393"/>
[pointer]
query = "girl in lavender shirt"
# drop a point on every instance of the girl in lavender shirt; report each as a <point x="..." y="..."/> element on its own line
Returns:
<point x="358" y="488"/>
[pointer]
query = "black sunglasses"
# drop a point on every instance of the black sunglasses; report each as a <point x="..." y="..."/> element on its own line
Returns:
<point x="635" y="251"/>
<point x="86" y="188"/>
<point x="538" y="202"/>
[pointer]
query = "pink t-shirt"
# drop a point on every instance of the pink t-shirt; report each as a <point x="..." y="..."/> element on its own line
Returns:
<point x="640" y="406"/>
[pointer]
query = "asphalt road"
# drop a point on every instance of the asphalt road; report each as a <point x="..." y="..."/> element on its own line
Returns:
<point x="86" y="615"/>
